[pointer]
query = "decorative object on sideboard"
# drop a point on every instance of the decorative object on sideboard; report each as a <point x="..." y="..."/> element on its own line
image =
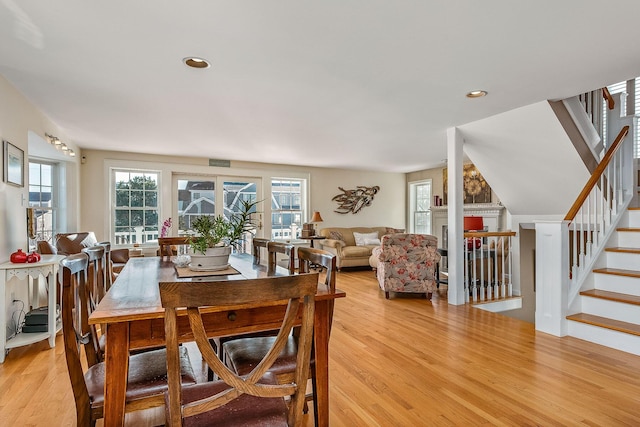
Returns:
<point x="354" y="200"/>
<point x="18" y="257"/>
<point x="476" y="189"/>
<point x="308" y="230"/>
<point x="13" y="164"/>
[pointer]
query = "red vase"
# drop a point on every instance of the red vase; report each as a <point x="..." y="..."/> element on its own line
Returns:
<point x="32" y="257"/>
<point x="18" y="257"/>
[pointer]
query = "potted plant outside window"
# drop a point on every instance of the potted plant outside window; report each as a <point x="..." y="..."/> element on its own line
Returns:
<point x="216" y="236"/>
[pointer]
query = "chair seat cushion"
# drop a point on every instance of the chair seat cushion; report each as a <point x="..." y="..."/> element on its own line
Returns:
<point x="147" y="376"/>
<point x="244" y="354"/>
<point x="246" y="410"/>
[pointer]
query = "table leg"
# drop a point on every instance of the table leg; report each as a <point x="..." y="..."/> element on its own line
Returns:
<point x="51" y="290"/>
<point x="116" y="369"/>
<point x="321" y="346"/>
<point x="3" y="319"/>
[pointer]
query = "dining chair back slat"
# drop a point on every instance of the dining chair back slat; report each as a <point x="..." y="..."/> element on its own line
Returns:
<point x="286" y="249"/>
<point x="108" y="265"/>
<point x="257" y="243"/>
<point x="235" y="395"/>
<point x="166" y="245"/>
<point x="92" y="293"/>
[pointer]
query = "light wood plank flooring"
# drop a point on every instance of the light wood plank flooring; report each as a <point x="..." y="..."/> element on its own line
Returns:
<point x="404" y="362"/>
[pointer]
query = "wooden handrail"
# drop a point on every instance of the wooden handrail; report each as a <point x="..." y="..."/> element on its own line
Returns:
<point x="489" y="234"/>
<point x="607" y="96"/>
<point x="596" y="175"/>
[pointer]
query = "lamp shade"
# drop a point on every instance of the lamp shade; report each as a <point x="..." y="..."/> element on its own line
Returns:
<point x="316" y="217"/>
<point x="474" y="223"/>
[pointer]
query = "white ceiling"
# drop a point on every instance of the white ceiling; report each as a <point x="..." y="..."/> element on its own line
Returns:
<point x="362" y="84"/>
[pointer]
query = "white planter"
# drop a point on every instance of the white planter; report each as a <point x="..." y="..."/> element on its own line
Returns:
<point x="217" y="257"/>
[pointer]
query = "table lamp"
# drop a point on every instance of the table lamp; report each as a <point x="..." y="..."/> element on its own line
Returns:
<point x="316" y="218"/>
<point x="473" y="223"/>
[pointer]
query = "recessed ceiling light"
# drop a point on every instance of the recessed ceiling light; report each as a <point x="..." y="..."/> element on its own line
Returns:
<point x="195" y="62"/>
<point x="476" y="93"/>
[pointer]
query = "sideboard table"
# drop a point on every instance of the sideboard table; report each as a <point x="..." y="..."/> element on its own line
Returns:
<point x="47" y="267"/>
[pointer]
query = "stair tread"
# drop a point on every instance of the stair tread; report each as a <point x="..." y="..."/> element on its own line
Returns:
<point x="603" y="322"/>
<point x="624" y="250"/>
<point x="631" y="229"/>
<point x="618" y="272"/>
<point x="612" y="296"/>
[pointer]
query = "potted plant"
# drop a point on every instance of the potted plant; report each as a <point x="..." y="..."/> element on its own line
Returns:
<point x="216" y="236"/>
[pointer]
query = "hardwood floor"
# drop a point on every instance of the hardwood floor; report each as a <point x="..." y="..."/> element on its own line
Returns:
<point x="403" y="362"/>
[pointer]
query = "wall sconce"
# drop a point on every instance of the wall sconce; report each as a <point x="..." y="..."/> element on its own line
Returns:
<point x="59" y="145"/>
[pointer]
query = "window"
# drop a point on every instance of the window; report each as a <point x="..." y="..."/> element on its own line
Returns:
<point x="135" y="216"/>
<point x="419" y="205"/>
<point x="632" y="87"/>
<point x="41" y="199"/>
<point x="195" y="198"/>
<point x="287" y="212"/>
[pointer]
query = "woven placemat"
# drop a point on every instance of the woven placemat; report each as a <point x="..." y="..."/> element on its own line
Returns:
<point x="184" y="272"/>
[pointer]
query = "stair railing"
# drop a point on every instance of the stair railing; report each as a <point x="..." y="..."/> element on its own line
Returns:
<point x="592" y="103"/>
<point x="487" y="267"/>
<point x="596" y="211"/>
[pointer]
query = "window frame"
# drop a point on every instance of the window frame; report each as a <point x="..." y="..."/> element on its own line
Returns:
<point x="128" y="242"/>
<point x="301" y="214"/>
<point x="54" y="200"/>
<point x="412" y="190"/>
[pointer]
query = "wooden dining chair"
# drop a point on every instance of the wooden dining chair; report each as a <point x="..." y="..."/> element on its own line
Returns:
<point x="286" y="249"/>
<point x="273" y="248"/>
<point x="255" y="398"/>
<point x="167" y="243"/>
<point x="147" y="378"/>
<point x="243" y="353"/>
<point x="256" y="244"/>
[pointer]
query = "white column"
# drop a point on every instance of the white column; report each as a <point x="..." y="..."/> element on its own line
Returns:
<point x="455" y="202"/>
<point x="552" y="277"/>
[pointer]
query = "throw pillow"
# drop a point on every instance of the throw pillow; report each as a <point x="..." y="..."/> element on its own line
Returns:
<point x="360" y="237"/>
<point x="336" y="235"/>
<point x="391" y="230"/>
<point x="372" y="242"/>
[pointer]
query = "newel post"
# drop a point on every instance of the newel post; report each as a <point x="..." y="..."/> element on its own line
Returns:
<point x="552" y="277"/>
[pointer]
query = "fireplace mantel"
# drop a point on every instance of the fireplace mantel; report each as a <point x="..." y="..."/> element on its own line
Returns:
<point x="478" y="209"/>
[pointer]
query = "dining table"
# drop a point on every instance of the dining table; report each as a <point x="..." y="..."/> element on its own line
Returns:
<point x="132" y="317"/>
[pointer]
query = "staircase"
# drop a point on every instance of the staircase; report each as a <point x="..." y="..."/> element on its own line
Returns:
<point x="610" y="307"/>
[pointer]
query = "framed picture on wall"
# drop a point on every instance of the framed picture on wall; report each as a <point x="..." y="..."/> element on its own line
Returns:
<point x="476" y="189"/>
<point x="13" y="164"/>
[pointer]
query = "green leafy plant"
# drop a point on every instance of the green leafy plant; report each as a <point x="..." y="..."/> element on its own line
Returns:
<point x="218" y="231"/>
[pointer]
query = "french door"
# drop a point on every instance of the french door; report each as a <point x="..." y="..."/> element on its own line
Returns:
<point x="197" y="195"/>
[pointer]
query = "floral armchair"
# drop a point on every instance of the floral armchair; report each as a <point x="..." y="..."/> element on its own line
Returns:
<point x="407" y="263"/>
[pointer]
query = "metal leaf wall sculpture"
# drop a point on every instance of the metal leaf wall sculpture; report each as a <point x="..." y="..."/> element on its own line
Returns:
<point x="354" y="200"/>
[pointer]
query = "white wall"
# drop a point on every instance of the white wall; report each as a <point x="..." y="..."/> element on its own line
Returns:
<point x="18" y="119"/>
<point x="387" y="209"/>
